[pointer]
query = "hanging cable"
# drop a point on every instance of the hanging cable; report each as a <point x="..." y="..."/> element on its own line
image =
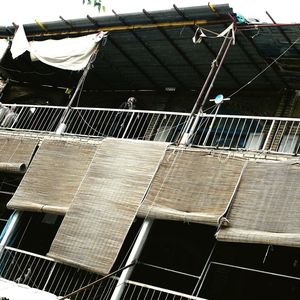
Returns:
<point x="265" y="69"/>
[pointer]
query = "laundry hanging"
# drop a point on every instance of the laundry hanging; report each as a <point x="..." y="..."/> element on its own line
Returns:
<point x="68" y="53"/>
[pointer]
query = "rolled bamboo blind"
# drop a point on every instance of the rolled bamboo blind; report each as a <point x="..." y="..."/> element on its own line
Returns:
<point x="106" y="204"/>
<point x="266" y="209"/>
<point x="192" y="186"/>
<point x="54" y="176"/>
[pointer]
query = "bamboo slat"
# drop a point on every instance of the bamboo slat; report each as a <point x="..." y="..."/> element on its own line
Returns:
<point x="267" y="206"/>
<point x="105" y="206"/>
<point x="54" y="176"/>
<point x="192" y="186"/>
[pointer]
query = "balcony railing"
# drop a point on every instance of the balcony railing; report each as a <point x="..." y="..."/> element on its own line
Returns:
<point x="44" y="273"/>
<point x="235" y="132"/>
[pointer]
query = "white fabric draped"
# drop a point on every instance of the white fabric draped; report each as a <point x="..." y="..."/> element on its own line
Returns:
<point x="68" y="53"/>
<point x="3" y="47"/>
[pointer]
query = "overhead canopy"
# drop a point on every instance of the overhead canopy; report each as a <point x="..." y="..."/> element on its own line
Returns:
<point x="95" y="226"/>
<point x="266" y="209"/>
<point x="192" y="186"/>
<point x="53" y="177"/>
<point x="157" y="52"/>
<point x="16" y="153"/>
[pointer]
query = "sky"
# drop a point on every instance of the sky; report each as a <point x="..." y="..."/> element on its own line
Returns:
<point x="26" y="11"/>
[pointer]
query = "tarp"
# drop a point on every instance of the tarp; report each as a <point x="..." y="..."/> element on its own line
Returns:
<point x="68" y="53"/>
<point x="3" y="47"/>
<point x="16" y="291"/>
<point x="94" y="228"/>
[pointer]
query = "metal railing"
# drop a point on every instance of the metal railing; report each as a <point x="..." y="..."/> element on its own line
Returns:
<point x="270" y="134"/>
<point x="137" y="291"/>
<point x="248" y="132"/>
<point x="46" y="274"/>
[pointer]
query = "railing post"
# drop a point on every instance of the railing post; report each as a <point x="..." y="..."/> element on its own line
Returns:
<point x="211" y="126"/>
<point x="9" y="230"/>
<point x="15" y="121"/>
<point x="62" y="122"/>
<point x="129" y="122"/>
<point x="134" y="255"/>
<point x="49" y="276"/>
<point x="268" y="136"/>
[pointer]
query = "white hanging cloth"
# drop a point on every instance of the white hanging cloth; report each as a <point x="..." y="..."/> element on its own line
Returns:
<point x="20" y="43"/>
<point x="3" y="47"/>
<point x="68" y="53"/>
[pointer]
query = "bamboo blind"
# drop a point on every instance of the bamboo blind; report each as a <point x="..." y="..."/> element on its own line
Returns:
<point x="267" y="206"/>
<point x="105" y="206"/>
<point x="192" y="186"/>
<point x="16" y="153"/>
<point x="53" y="177"/>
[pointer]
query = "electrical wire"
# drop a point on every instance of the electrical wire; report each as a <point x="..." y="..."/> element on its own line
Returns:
<point x="265" y="69"/>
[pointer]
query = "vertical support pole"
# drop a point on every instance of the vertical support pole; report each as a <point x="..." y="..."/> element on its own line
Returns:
<point x="49" y="276"/>
<point x="211" y="126"/>
<point x="208" y="85"/>
<point x="62" y="123"/>
<point x="268" y="136"/>
<point x="10" y="229"/>
<point x="128" y="124"/>
<point x="19" y="114"/>
<point x="134" y="255"/>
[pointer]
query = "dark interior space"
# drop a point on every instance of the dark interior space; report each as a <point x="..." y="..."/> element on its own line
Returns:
<point x="36" y="232"/>
<point x="246" y="103"/>
<point x="174" y="255"/>
<point x="252" y="271"/>
<point x="224" y="282"/>
<point x="8" y="185"/>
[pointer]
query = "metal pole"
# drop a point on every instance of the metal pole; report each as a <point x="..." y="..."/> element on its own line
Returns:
<point x="211" y="125"/>
<point x="215" y="68"/>
<point x="128" y="124"/>
<point x="184" y="139"/>
<point x="13" y="222"/>
<point x="134" y="255"/>
<point x="62" y="123"/>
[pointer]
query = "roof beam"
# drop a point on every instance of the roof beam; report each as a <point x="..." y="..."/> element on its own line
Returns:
<point x="124" y="28"/>
<point x="253" y="62"/>
<point x="151" y="52"/>
<point x="208" y="47"/>
<point x="284" y="34"/>
<point x="124" y="53"/>
<point x="67" y="22"/>
<point x="262" y="55"/>
<point x="258" y="68"/>
<point x="182" y="54"/>
<point x="148" y="77"/>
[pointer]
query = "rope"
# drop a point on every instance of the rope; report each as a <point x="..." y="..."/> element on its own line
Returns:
<point x="96" y="282"/>
<point x="265" y="69"/>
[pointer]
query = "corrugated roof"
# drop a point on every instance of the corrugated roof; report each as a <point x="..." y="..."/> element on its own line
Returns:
<point x="156" y="58"/>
